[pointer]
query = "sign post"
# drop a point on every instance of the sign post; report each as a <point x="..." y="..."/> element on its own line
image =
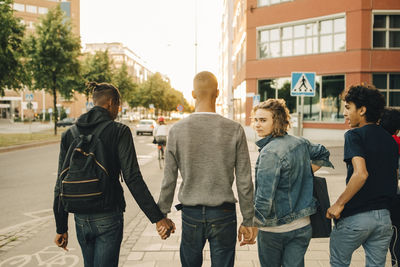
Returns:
<point x="303" y="84"/>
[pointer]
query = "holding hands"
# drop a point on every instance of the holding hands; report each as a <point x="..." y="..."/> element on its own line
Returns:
<point x="165" y="227"/>
<point x="247" y="235"/>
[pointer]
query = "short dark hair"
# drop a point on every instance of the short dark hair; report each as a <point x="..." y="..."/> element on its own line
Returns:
<point x="369" y="97"/>
<point x="101" y="92"/>
<point x="390" y="120"/>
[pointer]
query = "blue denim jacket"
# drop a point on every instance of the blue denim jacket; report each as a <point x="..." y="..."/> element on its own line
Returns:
<point x="284" y="186"/>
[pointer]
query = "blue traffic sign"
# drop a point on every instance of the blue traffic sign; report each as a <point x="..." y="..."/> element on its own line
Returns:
<point x="256" y="100"/>
<point x="179" y="108"/>
<point x="303" y="84"/>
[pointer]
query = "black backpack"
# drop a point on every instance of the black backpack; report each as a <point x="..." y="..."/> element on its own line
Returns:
<point x="85" y="183"/>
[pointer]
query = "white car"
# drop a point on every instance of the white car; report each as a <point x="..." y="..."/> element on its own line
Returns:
<point x="145" y="126"/>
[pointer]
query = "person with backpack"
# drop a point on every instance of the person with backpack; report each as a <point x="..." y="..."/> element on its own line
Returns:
<point x="93" y="155"/>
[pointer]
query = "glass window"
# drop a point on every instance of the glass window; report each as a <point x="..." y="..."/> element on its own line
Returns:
<point x="394" y="39"/>
<point x="394" y="21"/>
<point x="386" y="32"/>
<point x="287" y="48"/>
<point x="43" y="10"/>
<point x="299" y="47"/>
<point x="287" y="33"/>
<point x="379" y="21"/>
<point x="379" y="80"/>
<point x="326" y="43"/>
<point x="390" y="90"/>
<point x="331" y="103"/>
<point x="274" y="35"/>
<point x="394" y="99"/>
<point x="266" y="89"/>
<point x="379" y="39"/>
<point x="19" y="7"/>
<point x="339" y="42"/>
<point x="394" y="81"/>
<point x="301" y="39"/>
<point x="326" y="26"/>
<point x="340" y="25"/>
<point x="271" y="2"/>
<point x="31" y="9"/>
<point x="299" y="31"/>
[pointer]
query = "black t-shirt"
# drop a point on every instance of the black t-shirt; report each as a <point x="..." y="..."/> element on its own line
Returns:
<point x="380" y="152"/>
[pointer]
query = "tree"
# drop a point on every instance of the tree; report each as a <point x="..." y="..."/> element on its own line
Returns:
<point x="95" y="68"/>
<point x="124" y="82"/>
<point x="53" y="56"/>
<point x="12" y="72"/>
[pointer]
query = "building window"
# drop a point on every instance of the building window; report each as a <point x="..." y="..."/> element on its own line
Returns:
<point x="320" y="36"/>
<point x="271" y="2"/>
<point x="31" y="9"/>
<point x="43" y="10"/>
<point x="325" y="106"/>
<point x="389" y="85"/>
<point x="386" y="33"/>
<point x="19" y="7"/>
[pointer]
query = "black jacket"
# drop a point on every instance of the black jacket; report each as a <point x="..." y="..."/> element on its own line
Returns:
<point x="121" y="156"/>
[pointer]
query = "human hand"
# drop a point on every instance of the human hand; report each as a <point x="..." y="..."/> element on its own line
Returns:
<point x="247" y="235"/>
<point x="61" y="240"/>
<point x="165" y="227"/>
<point x="334" y="211"/>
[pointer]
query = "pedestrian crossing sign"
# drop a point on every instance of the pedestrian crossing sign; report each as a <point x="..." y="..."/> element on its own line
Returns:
<point x="303" y="84"/>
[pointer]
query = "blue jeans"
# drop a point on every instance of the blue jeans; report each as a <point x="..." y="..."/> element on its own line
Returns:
<point x="371" y="229"/>
<point x="100" y="237"/>
<point x="215" y="224"/>
<point x="283" y="249"/>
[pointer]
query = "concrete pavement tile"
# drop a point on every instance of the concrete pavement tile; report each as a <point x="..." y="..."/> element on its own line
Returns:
<point x="312" y="263"/>
<point x="173" y="247"/>
<point x="147" y="247"/>
<point x="324" y="263"/>
<point x="317" y="255"/>
<point x="168" y="263"/>
<point x="159" y="255"/>
<point x="139" y="264"/>
<point x="135" y="256"/>
<point x="256" y="263"/>
<point x="243" y="263"/>
<point x="177" y="256"/>
<point x="318" y="247"/>
<point x="246" y="255"/>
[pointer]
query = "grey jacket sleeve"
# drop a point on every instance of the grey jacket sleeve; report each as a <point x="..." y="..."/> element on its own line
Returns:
<point x="170" y="176"/>
<point x="244" y="182"/>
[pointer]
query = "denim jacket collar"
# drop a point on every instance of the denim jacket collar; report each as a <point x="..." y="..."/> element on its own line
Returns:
<point x="264" y="141"/>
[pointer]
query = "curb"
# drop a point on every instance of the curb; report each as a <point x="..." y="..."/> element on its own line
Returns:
<point x="29" y="145"/>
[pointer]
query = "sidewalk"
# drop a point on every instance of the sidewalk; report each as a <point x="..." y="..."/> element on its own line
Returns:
<point x="143" y="247"/>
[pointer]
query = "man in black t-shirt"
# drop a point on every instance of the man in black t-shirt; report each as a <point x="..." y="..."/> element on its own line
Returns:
<point x="371" y="156"/>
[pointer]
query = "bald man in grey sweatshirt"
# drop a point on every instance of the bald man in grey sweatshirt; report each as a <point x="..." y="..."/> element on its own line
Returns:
<point x="209" y="151"/>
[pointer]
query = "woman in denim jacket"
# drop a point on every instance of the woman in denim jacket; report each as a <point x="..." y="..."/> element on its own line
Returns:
<point x="284" y="187"/>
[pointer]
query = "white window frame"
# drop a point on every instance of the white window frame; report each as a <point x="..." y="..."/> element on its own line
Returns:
<point x="387" y="29"/>
<point x="269" y="2"/>
<point x="388" y="90"/>
<point x="292" y="24"/>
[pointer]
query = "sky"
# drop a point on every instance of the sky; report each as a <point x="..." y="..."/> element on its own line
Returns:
<point x="162" y="32"/>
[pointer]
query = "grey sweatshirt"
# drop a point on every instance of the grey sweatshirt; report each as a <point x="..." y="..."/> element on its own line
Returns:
<point x="209" y="151"/>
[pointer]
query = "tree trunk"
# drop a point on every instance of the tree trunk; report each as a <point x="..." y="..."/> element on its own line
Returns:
<point x="55" y="110"/>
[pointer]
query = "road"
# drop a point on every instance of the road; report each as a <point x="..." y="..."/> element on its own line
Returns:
<point x="27" y="181"/>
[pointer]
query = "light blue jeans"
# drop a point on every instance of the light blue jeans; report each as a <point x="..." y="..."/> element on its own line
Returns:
<point x="283" y="249"/>
<point x="100" y="237"/>
<point x="371" y="229"/>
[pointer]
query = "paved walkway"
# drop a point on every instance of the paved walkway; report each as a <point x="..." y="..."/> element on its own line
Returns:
<point x="143" y="247"/>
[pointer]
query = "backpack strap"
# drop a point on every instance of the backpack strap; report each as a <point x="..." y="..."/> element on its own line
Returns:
<point x="74" y="131"/>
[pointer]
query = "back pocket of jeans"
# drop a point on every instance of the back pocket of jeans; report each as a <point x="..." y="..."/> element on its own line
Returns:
<point x="188" y="232"/>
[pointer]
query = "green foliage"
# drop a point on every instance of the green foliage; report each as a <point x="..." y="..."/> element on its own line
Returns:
<point x="52" y="56"/>
<point x="158" y="92"/>
<point x="95" y="68"/>
<point x="124" y="82"/>
<point x="12" y="72"/>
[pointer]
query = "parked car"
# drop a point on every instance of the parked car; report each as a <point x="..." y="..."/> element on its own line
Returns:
<point x="66" y="122"/>
<point x="145" y="126"/>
